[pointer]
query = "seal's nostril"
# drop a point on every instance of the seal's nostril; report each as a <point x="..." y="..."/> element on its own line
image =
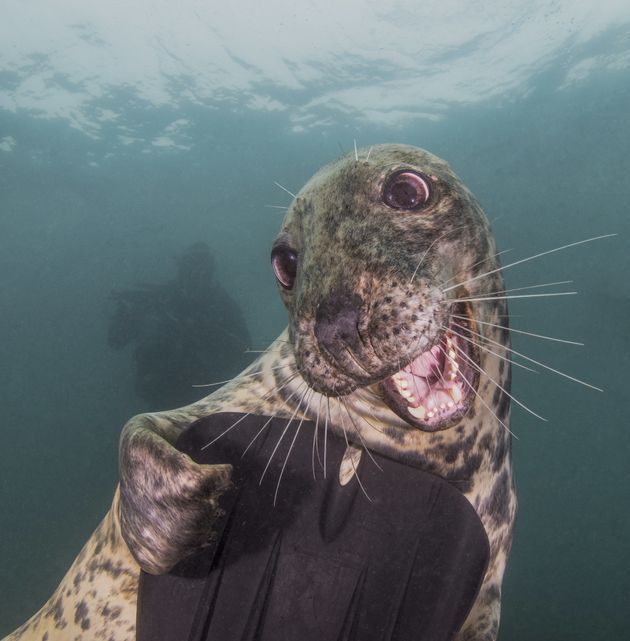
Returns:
<point x="337" y="322"/>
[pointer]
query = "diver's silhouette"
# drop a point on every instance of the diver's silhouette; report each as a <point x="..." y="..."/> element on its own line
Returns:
<point x="186" y="331"/>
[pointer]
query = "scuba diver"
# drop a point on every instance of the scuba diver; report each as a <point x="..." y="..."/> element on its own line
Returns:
<point x="187" y="331"/>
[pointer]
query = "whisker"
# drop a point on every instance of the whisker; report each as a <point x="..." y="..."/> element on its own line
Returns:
<point x="277" y="184"/>
<point x="480" y="369"/>
<point x="481" y="399"/>
<point x="259" y="351"/>
<point x="354" y="358"/>
<point x="286" y="458"/>
<point x="531" y="360"/>
<point x="372" y="425"/>
<point x="368" y="154"/>
<point x="358" y="433"/>
<point x="520" y="289"/>
<point x="479" y="262"/>
<point x="485" y="348"/>
<point x="284" y="431"/>
<point x="354" y="467"/>
<point x="214" y="440"/>
<point x="446" y="384"/>
<point x="450" y="301"/>
<point x="315" y="438"/>
<point x="524" y="260"/>
<point x="260" y="431"/>
<point x="451" y="231"/>
<point x="415" y="384"/>
<point x="326" y="432"/>
<point x="275" y="207"/>
<point x="263" y="398"/>
<point x="356" y="153"/>
<point x="284" y="403"/>
<point x="520" y="331"/>
<point x="236" y="378"/>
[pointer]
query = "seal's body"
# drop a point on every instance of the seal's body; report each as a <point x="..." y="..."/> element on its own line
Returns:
<point x="381" y="261"/>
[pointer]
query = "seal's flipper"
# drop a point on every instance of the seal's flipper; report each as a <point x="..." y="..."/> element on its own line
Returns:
<point x="324" y="563"/>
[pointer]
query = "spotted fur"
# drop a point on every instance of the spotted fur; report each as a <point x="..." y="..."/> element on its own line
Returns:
<point x="387" y="267"/>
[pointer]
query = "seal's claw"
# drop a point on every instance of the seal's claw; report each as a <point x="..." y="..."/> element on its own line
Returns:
<point x="168" y="503"/>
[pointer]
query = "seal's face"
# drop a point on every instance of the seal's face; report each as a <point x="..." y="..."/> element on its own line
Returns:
<point x="362" y="258"/>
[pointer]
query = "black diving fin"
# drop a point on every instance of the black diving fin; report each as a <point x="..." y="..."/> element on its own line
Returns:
<point x="311" y="560"/>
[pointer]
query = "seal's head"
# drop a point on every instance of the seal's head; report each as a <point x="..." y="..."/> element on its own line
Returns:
<point x="362" y="262"/>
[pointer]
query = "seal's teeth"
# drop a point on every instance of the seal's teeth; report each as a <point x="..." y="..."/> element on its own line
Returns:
<point x="456" y="393"/>
<point x="418" y="412"/>
<point x="401" y="385"/>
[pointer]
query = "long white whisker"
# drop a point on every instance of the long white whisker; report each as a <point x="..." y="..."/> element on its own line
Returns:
<point x="315" y="438"/>
<point x="372" y="425"/>
<point x="415" y="384"/>
<point x="284" y="403"/>
<point x="368" y="154"/>
<point x="284" y="189"/>
<point x="276" y="207"/>
<point x="356" y="153"/>
<point x="284" y="431"/>
<point x="435" y="369"/>
<point x="524" y="260"/>
<point x="326" y="431"/>
<point x="263" y="398"/>
<point x="358" y="433"/>
<point x="481" y="399"/>
<point x="450" y="301"/>
<point x="485" y="348"/>
<point x="286" y="458"/>
<point x="354" y="467"/>
<point x="479" y="262"/>
<point x="520" y="289"/>
<point x="260" y="431"/>
<point x="354" y="358"/>
<point x="214" y="440"/>
<point x="480" y="369"/>
<point x="452" y="231"/>
<point x="531" y="360"/>
<point x="520" y="331"/>
<point x="236" y="378"/>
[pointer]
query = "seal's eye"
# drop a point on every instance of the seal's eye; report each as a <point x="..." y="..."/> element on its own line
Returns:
<point x="406" y="190"/>
<point x="284" y="261"/>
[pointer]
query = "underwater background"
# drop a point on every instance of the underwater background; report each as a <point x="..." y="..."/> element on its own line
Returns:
<point x="131" y="133"/>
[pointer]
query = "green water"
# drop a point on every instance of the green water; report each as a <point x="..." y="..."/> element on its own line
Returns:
<point x="81" y="214"/>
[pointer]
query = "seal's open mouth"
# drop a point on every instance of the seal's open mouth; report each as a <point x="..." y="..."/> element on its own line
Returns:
<point x="438" y="387"/>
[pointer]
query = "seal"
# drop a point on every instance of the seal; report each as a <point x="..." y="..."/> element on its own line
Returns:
<point x="397" y="341"/>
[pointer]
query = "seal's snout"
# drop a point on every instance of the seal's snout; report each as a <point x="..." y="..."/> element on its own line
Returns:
<point x="337" y="322"/>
